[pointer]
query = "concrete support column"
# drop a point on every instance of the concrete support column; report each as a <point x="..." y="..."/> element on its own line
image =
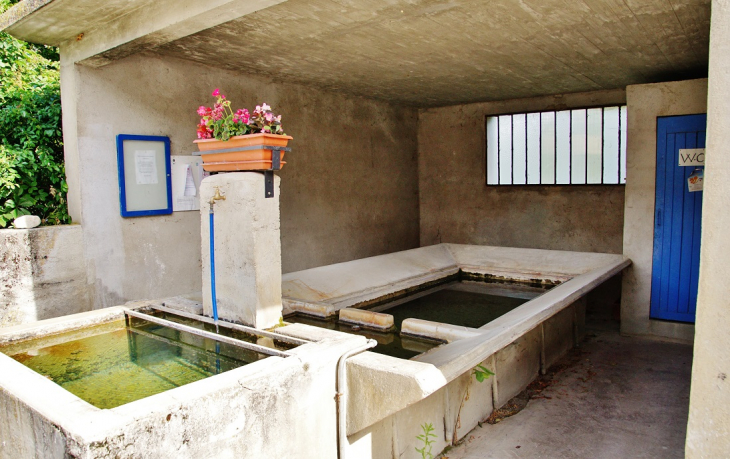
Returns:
<point x="247" y="249"/>
<point x="708" y="431"/>
<point x="69" y="117"/>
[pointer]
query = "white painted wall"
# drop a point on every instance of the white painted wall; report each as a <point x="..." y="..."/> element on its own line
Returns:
<point x="645" y="103"/>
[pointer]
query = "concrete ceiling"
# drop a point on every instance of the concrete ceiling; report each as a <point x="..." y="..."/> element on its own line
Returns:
<point x="417" y="52"/>
<point x="435" y="52"/>
<point x="67" y="19"/>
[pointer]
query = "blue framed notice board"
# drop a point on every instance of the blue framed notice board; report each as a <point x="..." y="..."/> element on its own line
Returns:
<point x="145" y="185"/>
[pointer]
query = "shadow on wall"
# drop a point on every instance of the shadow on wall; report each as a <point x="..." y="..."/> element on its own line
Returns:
<point x="604" y="302"/>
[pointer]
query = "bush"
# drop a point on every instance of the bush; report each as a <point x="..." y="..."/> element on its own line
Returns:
<point x="32" y="175"/>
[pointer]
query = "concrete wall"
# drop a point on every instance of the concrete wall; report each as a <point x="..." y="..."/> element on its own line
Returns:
<point x="708" y="430"/>
<point x="42" y="274"/>
<point x="270" y="408"/>
<point x="456" y="205"/>
<point x="455" y="409"/>
<point x="645" y="103"/>
<point x="349" y="189"/>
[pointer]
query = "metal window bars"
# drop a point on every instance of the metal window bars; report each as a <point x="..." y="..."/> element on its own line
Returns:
<point x="585" y="146"/>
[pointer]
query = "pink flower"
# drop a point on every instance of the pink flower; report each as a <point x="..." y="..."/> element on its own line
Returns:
<point x="216" y="93"/>
<point x="265" y="107"/>
<point x="269" y="117"/>
<point x="202" y="110"/>
<point x="241" y="116"/>
<point x="217" y="112"/>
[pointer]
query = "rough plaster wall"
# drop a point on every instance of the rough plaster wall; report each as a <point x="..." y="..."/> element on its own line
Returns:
<point x="349" y="189"/>
<point x="708" y="430"/>
<point x="456" y="206"/>
<point x="645" y="103"/>
<point x="16" y="277"/>
<point x="42" y="274"/>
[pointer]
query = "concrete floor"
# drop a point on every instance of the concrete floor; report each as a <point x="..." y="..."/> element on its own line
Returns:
<point x="614" y="397"/>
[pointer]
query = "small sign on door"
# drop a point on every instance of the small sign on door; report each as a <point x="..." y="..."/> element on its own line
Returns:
<point x="696" y="180"/>
<point x="692" y="157"/>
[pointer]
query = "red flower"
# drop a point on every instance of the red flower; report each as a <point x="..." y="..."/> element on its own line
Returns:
<point x="204" y="132"/>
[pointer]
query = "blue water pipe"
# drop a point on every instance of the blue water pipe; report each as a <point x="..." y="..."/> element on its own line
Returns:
<point x="211" y="237"/>
<point x="212" y="266"/>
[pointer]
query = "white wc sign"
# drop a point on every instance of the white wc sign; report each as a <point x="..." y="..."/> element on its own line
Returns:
<point x="692" y="157"/>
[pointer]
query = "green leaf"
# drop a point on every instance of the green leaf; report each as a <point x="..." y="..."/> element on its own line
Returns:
<point x="27" y="201"/>
<point x="482" y="373"/>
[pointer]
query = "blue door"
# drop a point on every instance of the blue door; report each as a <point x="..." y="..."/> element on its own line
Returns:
<point x="677" y="218"/>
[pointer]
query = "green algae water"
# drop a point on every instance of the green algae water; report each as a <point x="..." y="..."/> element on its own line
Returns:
<point x="114" y="364"/>
<point x="466" y="303"/>
<point x="455" y="307"/>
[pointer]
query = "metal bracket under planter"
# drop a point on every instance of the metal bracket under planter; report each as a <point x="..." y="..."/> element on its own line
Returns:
<point x="268" y="173"/>
<point x="275" y="166"/>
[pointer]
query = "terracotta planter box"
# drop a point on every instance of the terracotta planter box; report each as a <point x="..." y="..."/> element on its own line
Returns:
<point x="246" y="160"/>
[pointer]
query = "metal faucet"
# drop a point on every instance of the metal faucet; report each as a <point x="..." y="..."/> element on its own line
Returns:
<point x="216" y="197"/>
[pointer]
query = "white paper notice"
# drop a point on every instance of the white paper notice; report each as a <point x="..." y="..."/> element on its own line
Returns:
<point x="190" y="189"/>
<point x="187" y="173"/>
<point x="145" y="166"/>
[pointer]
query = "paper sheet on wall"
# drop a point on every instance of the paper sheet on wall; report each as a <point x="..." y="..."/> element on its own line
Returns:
<point x="187" y="173"/>
<point x="145" y="167"/>
<point x="190" y="188"/>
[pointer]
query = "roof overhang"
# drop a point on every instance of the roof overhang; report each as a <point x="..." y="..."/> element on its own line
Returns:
<point x="415" y="52"/>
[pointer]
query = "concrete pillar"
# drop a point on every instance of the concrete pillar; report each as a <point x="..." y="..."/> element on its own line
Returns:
<point x="708" y="430"/>
<point x="247" y="249"/>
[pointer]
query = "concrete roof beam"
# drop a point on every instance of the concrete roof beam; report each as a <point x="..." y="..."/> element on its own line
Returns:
<point x="106" y="33"/>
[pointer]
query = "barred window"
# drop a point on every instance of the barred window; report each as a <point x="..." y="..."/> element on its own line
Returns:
<point x="567" y="147"/>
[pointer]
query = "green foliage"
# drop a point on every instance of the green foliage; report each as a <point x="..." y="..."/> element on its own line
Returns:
<point x="31" y="183"/>
<point x="482" y="373"/>
<point x="32" y="175"/>
<point x="5" y="4"/>
<point x="425" y="438"/>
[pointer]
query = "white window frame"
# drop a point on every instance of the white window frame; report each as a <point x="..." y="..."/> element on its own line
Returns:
<point x="557" y="147"/>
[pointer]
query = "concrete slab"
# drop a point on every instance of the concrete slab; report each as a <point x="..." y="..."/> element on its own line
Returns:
<point x="415" y="52"/>
<point x="101" y="32"/>
<point x="613" y="397"/>
<point x="346" y="284"/>
<point x="531" y="263"/>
